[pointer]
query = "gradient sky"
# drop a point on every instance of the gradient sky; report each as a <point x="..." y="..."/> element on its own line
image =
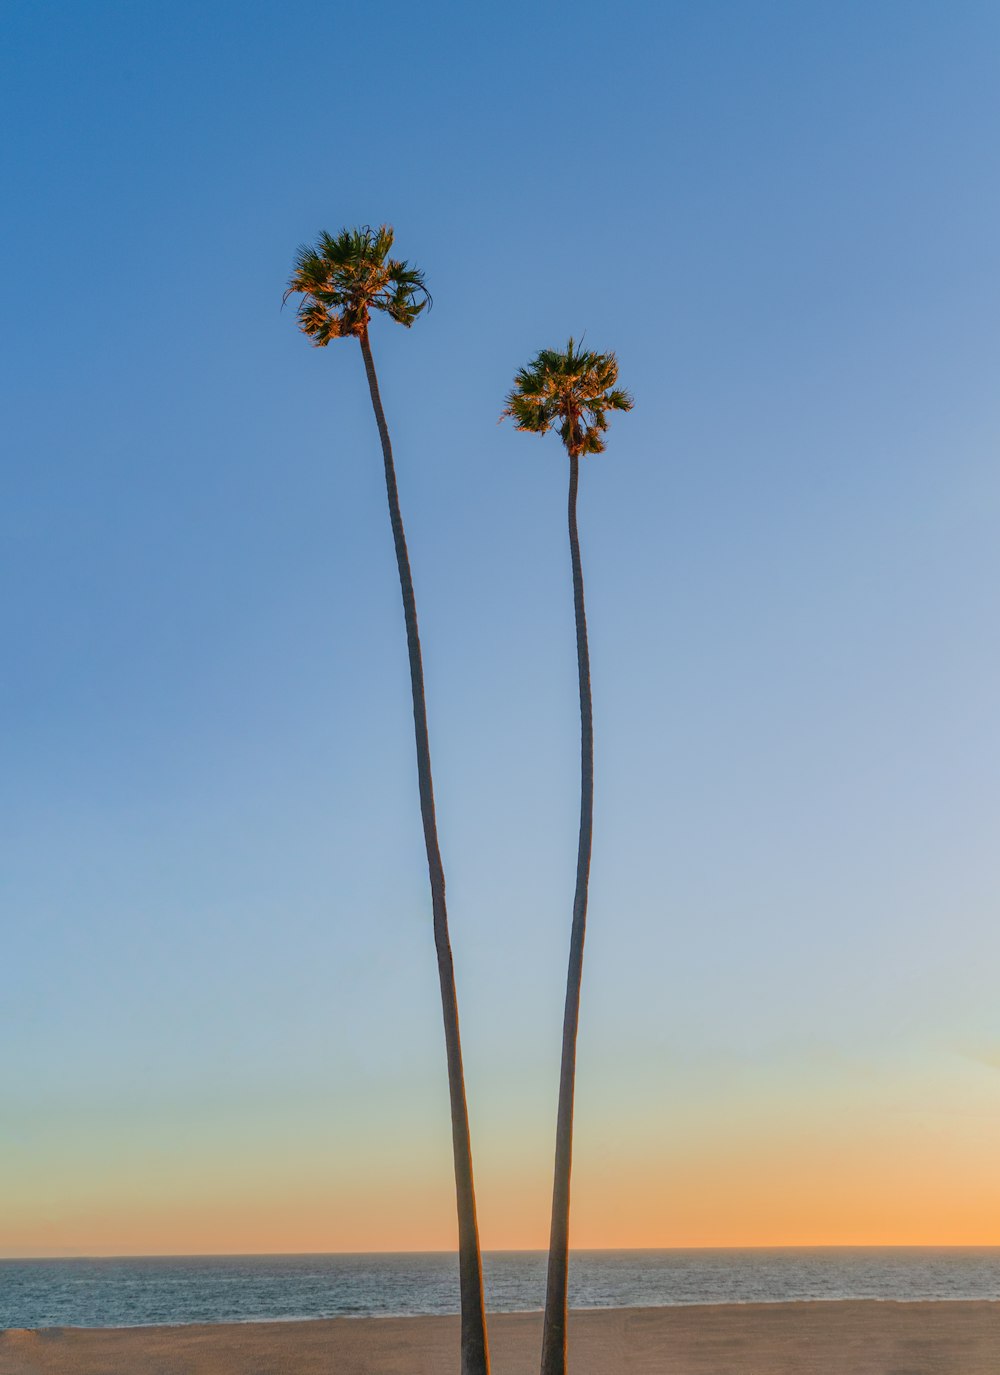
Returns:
<point x="219" y="1020"/>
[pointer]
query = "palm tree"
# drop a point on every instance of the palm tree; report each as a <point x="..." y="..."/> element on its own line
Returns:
<point x="341" y="282"/>
<point x="574" y="391"/>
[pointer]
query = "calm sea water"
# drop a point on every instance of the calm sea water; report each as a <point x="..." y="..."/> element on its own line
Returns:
<point x="133" y="1292"/>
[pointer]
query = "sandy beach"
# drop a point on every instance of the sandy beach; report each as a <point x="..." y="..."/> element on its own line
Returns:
<point x="849" y="1338"/>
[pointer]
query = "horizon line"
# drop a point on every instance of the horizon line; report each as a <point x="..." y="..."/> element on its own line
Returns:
<point x="501" y="1251"/>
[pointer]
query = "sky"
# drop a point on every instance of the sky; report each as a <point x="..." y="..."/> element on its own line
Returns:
<point x="219" y="1026"/>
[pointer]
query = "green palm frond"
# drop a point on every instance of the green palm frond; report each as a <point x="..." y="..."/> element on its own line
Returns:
<point x="573" y="389"/>
<point x="344" y="277"/>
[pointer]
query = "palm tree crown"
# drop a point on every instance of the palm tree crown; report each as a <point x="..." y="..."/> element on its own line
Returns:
<point x="575" y="389"/>
<point x="347" y="276"/>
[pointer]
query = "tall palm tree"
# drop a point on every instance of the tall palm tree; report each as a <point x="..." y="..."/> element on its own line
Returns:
<point x="342" y="281"/>
<point x="571" y="390"/>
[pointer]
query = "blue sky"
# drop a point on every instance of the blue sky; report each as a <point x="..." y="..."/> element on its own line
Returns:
<point x="784" y="219"/>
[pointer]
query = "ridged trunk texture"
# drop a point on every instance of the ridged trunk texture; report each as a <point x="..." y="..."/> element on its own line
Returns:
<point x="475" y="1349"/>
<point x="554" y="1329"/>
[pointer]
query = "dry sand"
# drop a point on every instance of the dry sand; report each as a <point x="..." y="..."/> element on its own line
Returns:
<point x="849" y="1338"/>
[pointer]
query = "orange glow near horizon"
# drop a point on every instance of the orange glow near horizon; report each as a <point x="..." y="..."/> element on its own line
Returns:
<point x="805" y="1193"/>
<point x="834" y="1156"/>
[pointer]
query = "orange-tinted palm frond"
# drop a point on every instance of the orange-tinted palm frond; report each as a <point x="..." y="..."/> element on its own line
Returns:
<point x="572" y="389"/>
<point x="345" y="277"/>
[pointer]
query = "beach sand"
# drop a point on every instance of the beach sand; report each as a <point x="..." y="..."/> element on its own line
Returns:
<point x="837" y="1338"/>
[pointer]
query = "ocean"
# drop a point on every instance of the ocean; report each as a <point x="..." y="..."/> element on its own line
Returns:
<point x="136" y="1292"/>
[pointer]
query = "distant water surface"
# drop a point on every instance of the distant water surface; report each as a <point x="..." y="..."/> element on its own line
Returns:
<point x="136" y="1292"/>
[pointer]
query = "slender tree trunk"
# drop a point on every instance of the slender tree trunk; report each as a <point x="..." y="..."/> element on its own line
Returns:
<point x="475" y="1350"/>
<point x="554" y="1330"/>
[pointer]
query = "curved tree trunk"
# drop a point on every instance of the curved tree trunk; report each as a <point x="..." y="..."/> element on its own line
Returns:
<point x="475" y="1351"/>
<point x="554" y="1330"/>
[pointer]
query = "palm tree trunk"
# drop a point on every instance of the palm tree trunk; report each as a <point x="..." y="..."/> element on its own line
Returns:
<point x="475" y="1350"/>
<point x="554" y="1330"/>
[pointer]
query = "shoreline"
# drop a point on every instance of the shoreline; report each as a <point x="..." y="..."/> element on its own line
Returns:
<point x="821" y="1336"/>
<point x="492" y="1313"/>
